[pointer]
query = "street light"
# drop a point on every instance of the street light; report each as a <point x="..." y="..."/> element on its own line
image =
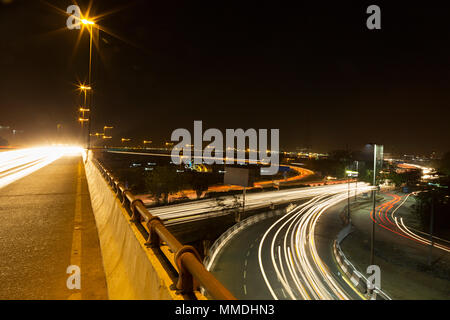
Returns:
<point x="377" y="155"/>
<point x="84" y="88"/>
<point x="89" y="24"/>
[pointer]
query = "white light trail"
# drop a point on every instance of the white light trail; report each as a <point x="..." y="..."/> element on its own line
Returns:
<point x="300" y="270"/>
<point x="17" y="164"/>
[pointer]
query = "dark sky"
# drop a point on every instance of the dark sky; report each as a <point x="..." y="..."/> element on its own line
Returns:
<point x="312" y="70"/>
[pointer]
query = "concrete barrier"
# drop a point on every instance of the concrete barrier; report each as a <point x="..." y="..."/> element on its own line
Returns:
<point x="133" y="271"/>
<point x="355" y="277"/>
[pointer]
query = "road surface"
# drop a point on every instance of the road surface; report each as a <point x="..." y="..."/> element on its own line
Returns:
<point x="401" y="252"/>
<point x="289" y="257"/>
<point x="47" y="224"/>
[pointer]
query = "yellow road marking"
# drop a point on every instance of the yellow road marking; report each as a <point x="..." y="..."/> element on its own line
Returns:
<point x="75" y="255"/>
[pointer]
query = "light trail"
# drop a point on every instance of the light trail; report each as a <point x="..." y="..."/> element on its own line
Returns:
<point x="398" y="226"/>
<point x="204" y="209"/>
<point x="17" y="164"/>
<point x="298" y="267"/>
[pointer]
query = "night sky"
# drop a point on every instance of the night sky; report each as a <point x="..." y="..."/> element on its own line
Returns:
<point x="312" y="70"/>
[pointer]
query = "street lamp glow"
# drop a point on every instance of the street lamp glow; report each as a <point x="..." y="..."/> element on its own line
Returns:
<point x="87" y="22"/>
<point x="83" y="87"/>
<point x="84" y="110"/>
<point x="125" y="140"/>
<point x="83" y="120"/>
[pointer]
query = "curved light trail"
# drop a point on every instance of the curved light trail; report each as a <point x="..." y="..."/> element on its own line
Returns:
<point x="396" y="224"/>
<point x="294" y="257"/>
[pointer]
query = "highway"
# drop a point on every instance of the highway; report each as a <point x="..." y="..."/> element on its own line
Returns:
<point x="46" y="225"/>
<point x="17" y="164"/>
<point x="204" y="209"/>
<point x="289" y="257"/>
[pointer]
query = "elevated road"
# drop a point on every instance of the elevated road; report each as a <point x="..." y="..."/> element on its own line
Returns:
<point x="47" y="225"/>
<point x="204" y="209"/>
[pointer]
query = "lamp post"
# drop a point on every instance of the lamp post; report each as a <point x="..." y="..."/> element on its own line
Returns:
<point x="89" y="24"/>
<point x="350" y="174"/>
<point x="125" y="140"/>
<point x="356" y="182"/>
<point x="374" y="193"/>
<point x="147" y="142"/>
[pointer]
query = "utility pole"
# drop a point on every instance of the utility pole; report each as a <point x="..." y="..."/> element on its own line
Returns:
<point x="374" y="193"/>
<point x="431" y="230"/>
<point x="356" y="183"/>
<point x="348" y="199"/>
<point x="243" y="204"/>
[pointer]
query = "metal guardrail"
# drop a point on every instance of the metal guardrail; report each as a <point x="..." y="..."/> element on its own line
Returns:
<point x="187" y="260"/>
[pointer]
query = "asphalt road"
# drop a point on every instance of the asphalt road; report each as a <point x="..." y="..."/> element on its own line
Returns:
<point x="307" y="274"/>
<point x="237" y="266"/>
<point x="46" y="225"/>
<point x="403" y="260"/>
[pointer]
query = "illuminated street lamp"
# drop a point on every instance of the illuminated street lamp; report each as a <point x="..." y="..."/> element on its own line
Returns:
<point x="84" y="110"/>
<point x="84" y="88"/>
<point x="87" y="22"/>
<point x="83" y="120"/>
<point x="106" y="128"/>
<point x="89" y="25"/>
<point x="125" y="140"/>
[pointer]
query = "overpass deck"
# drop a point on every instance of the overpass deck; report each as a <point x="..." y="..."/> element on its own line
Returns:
<point x="46" y="225"/>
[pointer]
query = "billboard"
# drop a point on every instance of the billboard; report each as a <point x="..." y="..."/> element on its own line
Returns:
<point x="237" y="177"/>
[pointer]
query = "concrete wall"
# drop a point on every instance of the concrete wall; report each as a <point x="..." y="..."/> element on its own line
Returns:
<point x="132" y="270"/>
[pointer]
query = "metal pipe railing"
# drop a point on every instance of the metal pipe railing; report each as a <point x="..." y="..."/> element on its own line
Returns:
<point x="191" y="270"/>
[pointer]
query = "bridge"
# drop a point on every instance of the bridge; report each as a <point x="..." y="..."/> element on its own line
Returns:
<point x="61" y="208"/>
<point x="66" y="213"/>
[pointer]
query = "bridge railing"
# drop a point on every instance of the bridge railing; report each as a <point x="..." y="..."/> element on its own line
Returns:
<point x="186" y="259"/>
